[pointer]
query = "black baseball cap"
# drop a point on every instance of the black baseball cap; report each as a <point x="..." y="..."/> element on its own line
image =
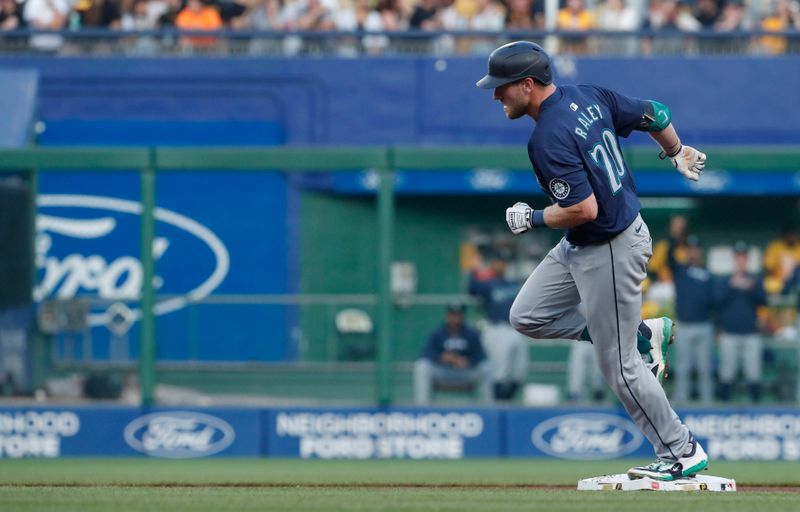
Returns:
<point x="741" y="247"/>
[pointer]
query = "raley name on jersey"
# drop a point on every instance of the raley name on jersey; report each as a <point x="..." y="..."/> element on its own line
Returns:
<point x="586" y="117"/>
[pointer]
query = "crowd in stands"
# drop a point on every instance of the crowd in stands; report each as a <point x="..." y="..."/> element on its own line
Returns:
<point x="400" y="15"/>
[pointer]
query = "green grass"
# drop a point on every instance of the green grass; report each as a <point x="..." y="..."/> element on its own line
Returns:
<point x="118" y="485"/>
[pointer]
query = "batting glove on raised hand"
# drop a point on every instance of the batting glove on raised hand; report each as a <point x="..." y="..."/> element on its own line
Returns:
<point x="518" y="218"/>
<point x="689" y="162"/>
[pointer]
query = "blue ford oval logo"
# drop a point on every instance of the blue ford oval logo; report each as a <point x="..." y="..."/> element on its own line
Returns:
<point x="179" y="435"/>
<point x="587" y="436"/>
<point x="83" y="246"/>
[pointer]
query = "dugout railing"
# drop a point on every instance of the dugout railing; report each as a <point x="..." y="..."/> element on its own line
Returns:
<point x="385" y="161"/>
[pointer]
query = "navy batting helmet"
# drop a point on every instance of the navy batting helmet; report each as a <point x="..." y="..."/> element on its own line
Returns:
<point x="514" y="61"/>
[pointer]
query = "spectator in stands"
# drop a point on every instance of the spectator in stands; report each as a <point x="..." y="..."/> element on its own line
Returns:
<point x="359" y="15"/>
<point x="170" y="14"/>
<point x="140" y="16"/>
<point x="10" y="15"/>
<point x="392" y="15"/>
<point x="46" y="15"/>
<point x="262" y="15"/>
<point x="732" y="18"/>
<point x="667" y="17"/>
<point x="452" y="16"/>
<point x="507" y="348"/>
<point x="198" y="16"/>
<point x="314" y="16"/>
<point x="785" y="17"/>
<point x="575" y="17"/>
<point x="738" y="297"/>
<point x="232" y="12"/>
<point x="100" y="14"/>
<point x="426" y="16"/>
<point x="707" y="13"/>
<point x="618" y="16"/>
<point x="537" y="13"/>
<point x="489" y="15"/>
<point x="781" y="257"/>
<point x="520" y="15"/>
<point x="453" y="356"/>
<point x="694" y="304"/>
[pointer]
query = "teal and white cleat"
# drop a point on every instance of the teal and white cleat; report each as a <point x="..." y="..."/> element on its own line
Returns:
<point x="692" y="462"/>
<point x="663" y="330"/>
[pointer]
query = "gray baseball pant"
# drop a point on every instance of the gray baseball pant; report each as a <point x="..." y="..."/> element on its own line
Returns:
<point x="583" y="375"/>
<point x="693" y="343"/>
<point x="427" y="372"/>
<point x="507" y="351"/>
<point x="747" y="348"/>
<point x="600" y="287"/>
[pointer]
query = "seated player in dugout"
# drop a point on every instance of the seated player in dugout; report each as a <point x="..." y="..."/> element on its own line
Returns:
<point x="589" y="287"/>
<point x="453" y="357"/>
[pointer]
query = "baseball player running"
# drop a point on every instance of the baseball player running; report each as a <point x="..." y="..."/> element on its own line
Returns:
<point x="589" y="285"/>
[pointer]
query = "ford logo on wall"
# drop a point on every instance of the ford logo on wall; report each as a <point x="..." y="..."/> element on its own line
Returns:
<point x="179" y="435"/>
<point x="587" y="436"/>
<point x="83" y="246"/>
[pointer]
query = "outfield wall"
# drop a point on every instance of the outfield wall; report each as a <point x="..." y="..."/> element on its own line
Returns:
<point x="385" y="100"/>
<point x="365" y="433"/>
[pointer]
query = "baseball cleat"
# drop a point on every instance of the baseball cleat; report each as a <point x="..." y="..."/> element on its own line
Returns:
<point x="692" y="462"/>
<point x="663" y="336"/>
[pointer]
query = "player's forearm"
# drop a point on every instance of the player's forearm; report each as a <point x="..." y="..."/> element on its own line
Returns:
<point x="668" y="140"/>
<point x="558" y="217"/>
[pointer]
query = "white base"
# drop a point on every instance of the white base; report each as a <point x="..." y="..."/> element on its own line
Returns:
<point x="623" y="483"/>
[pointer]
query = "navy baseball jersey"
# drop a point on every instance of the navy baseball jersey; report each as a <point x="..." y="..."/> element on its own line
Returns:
<point x="575" y="152"/>
<point x="466" y="342"/>
<point x="497" y="296"/>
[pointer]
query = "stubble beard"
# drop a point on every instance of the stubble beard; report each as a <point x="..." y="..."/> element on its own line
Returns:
<point x="515" y="111"/>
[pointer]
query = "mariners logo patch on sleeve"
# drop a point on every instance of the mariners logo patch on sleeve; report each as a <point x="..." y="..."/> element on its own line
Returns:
<point x="559" y="188"/>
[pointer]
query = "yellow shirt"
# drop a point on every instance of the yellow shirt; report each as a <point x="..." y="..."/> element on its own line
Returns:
<point x="775" y="266"/>
<point x="583" y="20"/>
<point x="774" y="44"/>
<point x="659" y="261"/>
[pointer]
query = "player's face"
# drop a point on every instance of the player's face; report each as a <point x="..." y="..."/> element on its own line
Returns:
<point x="514" y="97"/>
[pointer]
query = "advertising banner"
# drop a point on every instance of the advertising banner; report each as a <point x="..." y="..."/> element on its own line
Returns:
<point x="51" y="432"/>
<point x="374" y="433"/>
<point x="229" y="236"/>
<point x="581" y="434"/>
<point x="747" y="434"/>
<point x="383" y="434"/>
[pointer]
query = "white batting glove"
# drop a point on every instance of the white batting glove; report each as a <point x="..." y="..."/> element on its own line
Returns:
<point x="689" y="162"/>
<point x="518" y="218"/>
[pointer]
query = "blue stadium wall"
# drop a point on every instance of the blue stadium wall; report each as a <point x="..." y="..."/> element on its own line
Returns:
<point x="731" y="100"/>
<point x="206" y="248"/>
<point x="370" y="433"/>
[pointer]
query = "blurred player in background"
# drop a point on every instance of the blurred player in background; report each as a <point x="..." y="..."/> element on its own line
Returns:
<point x="507" y="349"/>
<point x="584" y="380"/>
<point x="453" y="356"/>
<point x="676" y="240"/>
<point x="781" y="257"/>
<point x="739" y="296"/>
<point x="694" y="305"/>
<point x="590" y="285"/>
